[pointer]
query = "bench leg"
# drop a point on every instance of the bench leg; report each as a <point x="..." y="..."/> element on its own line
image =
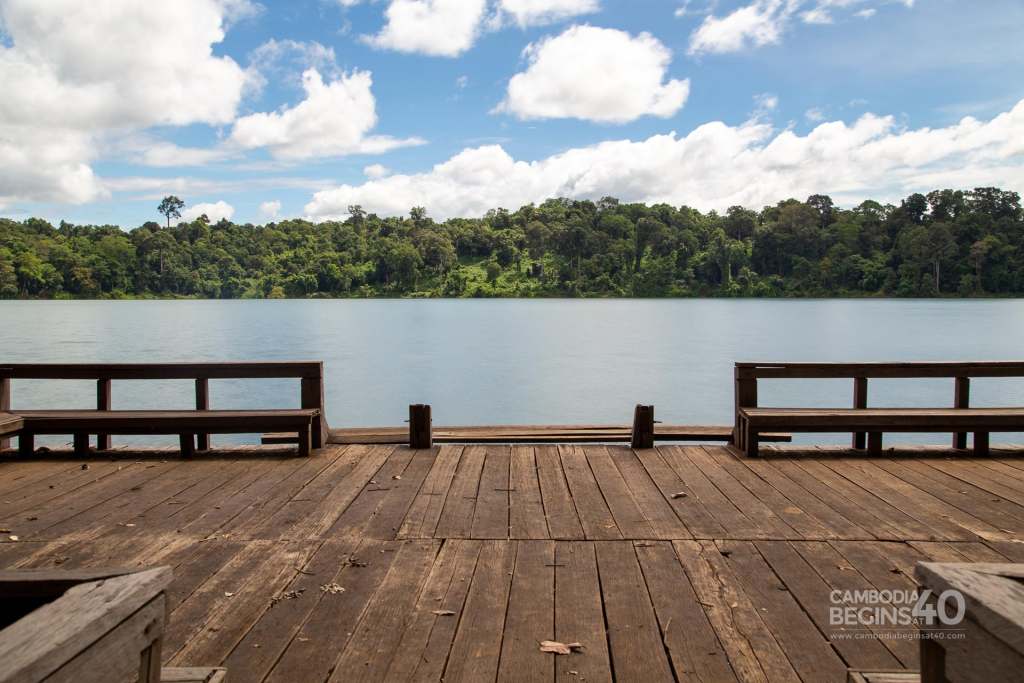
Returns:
<point x="202" y="442"/>
<point x="188" y="445"/>
<point x="81" y="443"/>
<point x="26" y="444"/>
<point x="981" y="449"/>
<point x="750" y="441"/>
<point x="875" y="443"/>
<point x="305" y="442"/>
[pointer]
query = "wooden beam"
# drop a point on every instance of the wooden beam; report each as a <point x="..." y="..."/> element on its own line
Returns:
<point x="961" y="399"/>
<point x="420" y="427"/>
<point x="875" y="443"/>
<point x="643" y="427"/>
<point x="188" y="445"/>
<point x="81" y="443"/>
<point x="26" y="444"/>
<point x="5" y="405"/>
<point x="103" y="403"/>
<point x="860" y="400"/>
<point x="202" y="403"/>
<point x="981" y="447"/>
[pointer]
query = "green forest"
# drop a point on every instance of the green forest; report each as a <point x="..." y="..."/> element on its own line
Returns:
<point x="944" y="243"/>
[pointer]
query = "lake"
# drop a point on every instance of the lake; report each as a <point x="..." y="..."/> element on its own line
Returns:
<point x="515" y="361"/>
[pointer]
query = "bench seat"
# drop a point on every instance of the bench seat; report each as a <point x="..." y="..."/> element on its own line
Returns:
<point x="875" y="421"/>
<point x="186" y="423"/>
<point x="10" y="425"/>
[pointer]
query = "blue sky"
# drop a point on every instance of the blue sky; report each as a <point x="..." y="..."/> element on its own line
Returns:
<point x="284" y="109"/>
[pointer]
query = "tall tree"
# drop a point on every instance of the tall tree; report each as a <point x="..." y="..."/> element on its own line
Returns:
<point x="170" y="207"/>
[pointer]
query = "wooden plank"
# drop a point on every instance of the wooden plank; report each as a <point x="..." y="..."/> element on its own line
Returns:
<point x="842" y="575"/>
<point x="634" y="638"/>
<point x="491" y="514"/>
<point x="812" y="590"/>
<point x="258" y="650"/>
<point x="475" y="651"/>
<point x="683" y="500"/>
<point x="629" y="519"/>
<point x="595" y="517"/>
<point x="559" y="509"/>
<point x="456" y="519"/>
<point x="654" y="507"/>
<point x="314" y="651"/>
<point x="807" y="649"/>
<point x="530" y="617"/>
<point x="918" y="369"/>
<point x="386" y="520"/>
<point x="579" y="615"/>
<point x="526" y="506"/>
<point x="698" y="486"/>
<point x="375" y="640"/>
<point x="425" y="644"/>
<point x="753" y="651"/>
<point x="688" y="636"/>
<point x="426" y="508"/>
<point x="374" y="495"/>
<point x="214" y="370"/>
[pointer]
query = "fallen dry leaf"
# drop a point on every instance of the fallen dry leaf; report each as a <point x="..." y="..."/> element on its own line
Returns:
<point x="228" y="595"/>
<point x="558" y="648"/>
<point x="332" y="588"/>
<point x="13" y="538"/>
<point x="5" y="531"/>
<point x="444" y="612"/>
<point x="679" y="494"/>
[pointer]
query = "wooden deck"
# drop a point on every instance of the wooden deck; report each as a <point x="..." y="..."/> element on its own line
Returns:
<point x="377" y="562"/>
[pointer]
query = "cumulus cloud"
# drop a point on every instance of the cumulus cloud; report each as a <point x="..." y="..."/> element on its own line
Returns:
<point x="215" y="211"/>
<point x="74" y="73"/>
<point x="538" y="12"/>
<point x="376" y="171"/>
<point x="269" y="211"/>
<point x="598" y="74"/>
<point x="763" y="22"/>
<point x="713" y="167"/>
<point x="441" y="28"/>
<point x="333" y="120"/>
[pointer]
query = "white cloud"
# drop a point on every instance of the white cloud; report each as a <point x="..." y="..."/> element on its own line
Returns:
<point x="376" y="171"/>
<point x="76" y="73"/>
<point x="461" y="82"/>
<point x="765" y="103"/>
<point x="333" y="120"/>
<point x="538" y="12"/>
<point x="598" y="74"/>
<point x="441" y="28"/>
<point x="269" y="211"/>
<point x="763" y="22"/>
<point x="215" y="211"/>
<point x="815" y="115"/>
<point x="713" y="167"/>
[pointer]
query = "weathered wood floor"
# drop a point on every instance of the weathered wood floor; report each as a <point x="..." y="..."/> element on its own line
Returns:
<point x="377" y="562"/>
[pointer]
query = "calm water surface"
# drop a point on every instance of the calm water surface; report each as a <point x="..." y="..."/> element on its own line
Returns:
<point x="515" y="361"/>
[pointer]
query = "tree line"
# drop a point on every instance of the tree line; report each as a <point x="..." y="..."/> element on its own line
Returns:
<point x="944" y="243"/>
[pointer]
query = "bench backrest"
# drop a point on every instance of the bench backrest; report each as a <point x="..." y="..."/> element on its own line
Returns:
<point x="310" y="374"/>
<point x="747" y="374"/>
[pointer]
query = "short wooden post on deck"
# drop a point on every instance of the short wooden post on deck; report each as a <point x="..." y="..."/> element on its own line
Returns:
<point x="202" y="403"/>
<point x="5" y="405"/>
<point x="860" y="400"/>
<point x="643" y="427"/>
<point x="421" y="433"/>
<point x="103" y="403"/>
<point x="961" y="399"/>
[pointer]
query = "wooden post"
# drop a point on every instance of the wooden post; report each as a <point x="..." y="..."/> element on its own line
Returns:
<point x="103" y="403"/>
<point x="202" y="403"/>
<point x="420" y="428"/>
<point x="188" y="445"/>
<point x="981" y="448"/>
<point x="933" y="662"/>
<point x="26" y="444"/>
<point x="306" y="440"/>
<point x="312" y="391"/>
<point x="961" y="399"/>
<point x="746" y="397"/>
<point x="643" y="427"/>
<point x="5" y="405"/>
<point x="81" y="443"/>
<point x="860" y="400"/>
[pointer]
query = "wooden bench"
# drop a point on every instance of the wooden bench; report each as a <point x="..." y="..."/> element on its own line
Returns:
<point x="186" y="423"/>
<point x="88" y="625"/>
<point x="10" y="425"/>
<point x="868" y="425"/>
<point x="309" y="373"/>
